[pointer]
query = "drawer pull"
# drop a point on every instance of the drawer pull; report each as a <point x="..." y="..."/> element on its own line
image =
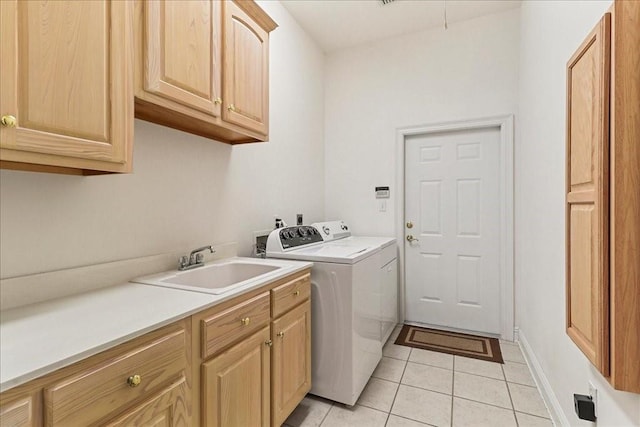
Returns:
<point x="8" y="121"/>
<point x="245" y="321"/>
<point x="134" y="380"/>
<point x="281" y="334"/>
<point x="296" y="293"/>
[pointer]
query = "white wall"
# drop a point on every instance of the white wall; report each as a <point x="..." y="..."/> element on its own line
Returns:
<point x="185" y="191"/>
<point x="468" y="71"/>
<point x="551" y="31"/>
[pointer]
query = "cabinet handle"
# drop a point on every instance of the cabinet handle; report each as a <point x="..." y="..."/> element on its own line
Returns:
<point x="281" y="334"/>
<point x="8" y="121"/>
<point x="296" y="293"/>
<point x="134" y="380"/>
<point x="269" y="343"/>
<point x="217" y="101"/>
<point x="231" y="107"/>
<point x="245" y="321"/>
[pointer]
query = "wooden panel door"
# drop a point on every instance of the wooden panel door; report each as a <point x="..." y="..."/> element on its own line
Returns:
<point x="245" y="71"/>
<point x="169" y="408"/>
<point x="587" y="195"/>
<point x="235" y="384"/>
<point x="182" y="52"/>
<point x="67" y="79"/>
<point x="291" y="368"/>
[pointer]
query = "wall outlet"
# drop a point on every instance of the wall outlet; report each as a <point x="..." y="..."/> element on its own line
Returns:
<point x="593" y="392"/>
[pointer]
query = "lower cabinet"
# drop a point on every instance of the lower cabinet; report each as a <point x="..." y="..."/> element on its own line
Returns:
<point x="260" y="377"/>
<point x="145" y="382"/>
<point x="245" y="362"/>
<point x="20" y="413"/>
<point x="236" y="386"/>
<point x="167" y="408"/>
<point x="291" y="361"/>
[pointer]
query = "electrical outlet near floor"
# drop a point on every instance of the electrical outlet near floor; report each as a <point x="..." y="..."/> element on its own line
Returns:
<point x="593" y="392"/>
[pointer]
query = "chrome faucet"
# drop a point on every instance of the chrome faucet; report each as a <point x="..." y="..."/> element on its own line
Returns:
<point x="194" y="259"/>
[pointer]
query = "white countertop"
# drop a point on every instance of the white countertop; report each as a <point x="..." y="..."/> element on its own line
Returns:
<point x="41" y="338"/>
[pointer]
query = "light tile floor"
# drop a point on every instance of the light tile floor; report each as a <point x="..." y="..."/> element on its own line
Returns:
<point x="417" y="388"/>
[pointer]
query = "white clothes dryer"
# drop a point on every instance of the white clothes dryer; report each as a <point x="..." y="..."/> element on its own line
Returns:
<point x="345" y="309"/>
<point x="339" y="233"/>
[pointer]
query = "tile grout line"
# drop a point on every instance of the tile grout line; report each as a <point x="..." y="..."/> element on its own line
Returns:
<point x="326" y="415"/>
<point x="513" y="408"/>
<point x="453" y="385"/>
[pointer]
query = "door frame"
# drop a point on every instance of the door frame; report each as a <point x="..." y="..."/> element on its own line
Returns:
<point x="505" y="124"/>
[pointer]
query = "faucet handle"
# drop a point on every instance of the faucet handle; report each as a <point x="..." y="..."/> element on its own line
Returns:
<point x="199" y="258"/>
<point x="184" y="261"/>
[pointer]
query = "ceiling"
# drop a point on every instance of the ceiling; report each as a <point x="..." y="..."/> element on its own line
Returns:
<point x="338" y="24"/>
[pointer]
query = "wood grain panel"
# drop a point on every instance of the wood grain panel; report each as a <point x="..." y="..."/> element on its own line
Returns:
<point x="18" y="414"/>
<point x="291" y="367"/>
<point x="236" y="385"/>
<point x="167" y="409"/>
<point x="287" y="296"/>
<point x="245" y="70"/>
<point x="587" y="269"/>
<point x="64" y="59"/>
<point x="69" y="84"/>
<point x="227" y="327"/>
<point x="86" y="397"/>
<point x="625" y="198"/>
<point x="182" y="52"/>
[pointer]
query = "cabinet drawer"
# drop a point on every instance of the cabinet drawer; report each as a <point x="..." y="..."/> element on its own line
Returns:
<point x="287" y="296"/>
<point x="102" y="389"/>
<point x="233" y="324"/>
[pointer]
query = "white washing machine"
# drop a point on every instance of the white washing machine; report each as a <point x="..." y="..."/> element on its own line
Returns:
<point x="338" y="233"/>
<point x="345" y="309"/>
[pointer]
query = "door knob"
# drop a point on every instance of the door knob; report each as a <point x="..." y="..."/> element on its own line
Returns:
<point x="409" y="224"/>
<point x="411" y="239"/>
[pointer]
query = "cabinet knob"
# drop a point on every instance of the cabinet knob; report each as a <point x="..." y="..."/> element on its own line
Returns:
<point x="245" y="321"/>
<point x="231" y="107"/>
<point x="8" y="121"/>
<point x="268" y="343"/>
<point x="281" y="334"/>
<point x="217" y="101"/>
<point x="296" y="293"/>
<point x="134" y="380"/>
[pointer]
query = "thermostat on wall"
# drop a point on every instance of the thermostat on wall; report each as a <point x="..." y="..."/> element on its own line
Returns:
<point x="382" y="192"/>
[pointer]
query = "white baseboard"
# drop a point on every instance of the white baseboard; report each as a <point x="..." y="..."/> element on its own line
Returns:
<point x="550" y="400"/>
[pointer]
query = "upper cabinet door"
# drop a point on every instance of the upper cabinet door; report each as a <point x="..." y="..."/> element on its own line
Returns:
<point x="588" y="82"/>
<point x="246" y="70"/>
<point x="182" y="52"/>
<point x="67" y="73"/>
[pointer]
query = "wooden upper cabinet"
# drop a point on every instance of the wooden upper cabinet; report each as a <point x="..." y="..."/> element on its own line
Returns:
<point x="587" y="195"/>
<point x="67" y="74"/>
<point x="202" y="66"/>
<point x="181" y="53"/>
<point x="603" y="201"/>
<point x="246" y="74"/>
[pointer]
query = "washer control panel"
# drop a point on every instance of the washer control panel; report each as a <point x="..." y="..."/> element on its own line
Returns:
<point x="300" y="235"/>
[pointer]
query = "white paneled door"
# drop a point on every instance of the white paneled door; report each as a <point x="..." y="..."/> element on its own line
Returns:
<point x="452" y="229"/>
